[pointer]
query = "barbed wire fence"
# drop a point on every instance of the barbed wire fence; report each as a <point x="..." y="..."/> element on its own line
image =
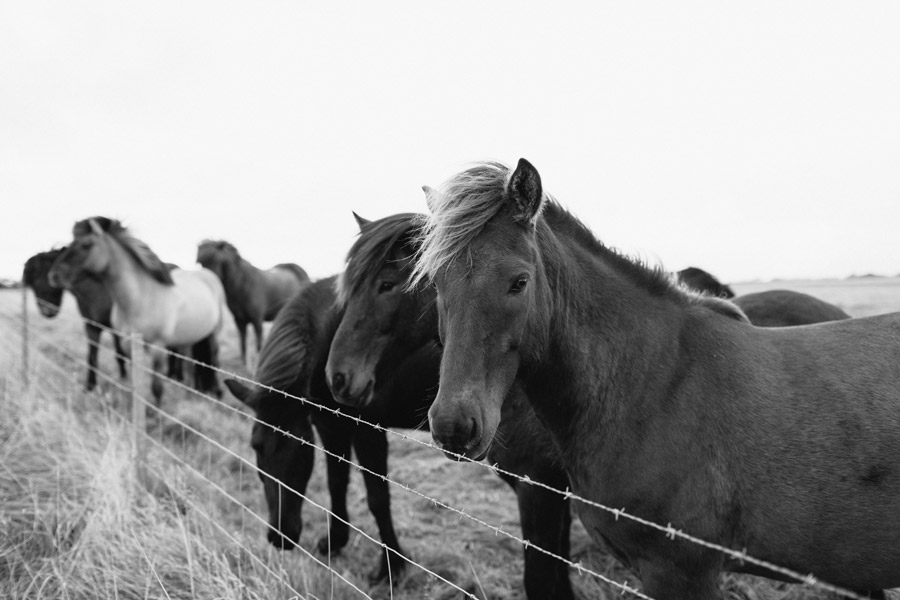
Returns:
<point x="139" y="374"/>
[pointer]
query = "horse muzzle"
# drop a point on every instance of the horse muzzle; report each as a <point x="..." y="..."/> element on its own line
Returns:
<point x="345" y="391"/>
<point x="48" y="311"/>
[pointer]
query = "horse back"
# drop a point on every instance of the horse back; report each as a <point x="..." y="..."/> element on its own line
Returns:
<point x="279" y="284"/>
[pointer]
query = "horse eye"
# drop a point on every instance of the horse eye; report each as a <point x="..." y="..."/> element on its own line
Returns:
<point x="518" y="286"/>
<point x="385" y="286"/>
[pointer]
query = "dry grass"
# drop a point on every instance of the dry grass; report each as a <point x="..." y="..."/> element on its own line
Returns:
<point x="77" y="521"/>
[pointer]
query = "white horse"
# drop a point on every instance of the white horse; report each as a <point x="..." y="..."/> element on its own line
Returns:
<point x="177" y="308"/>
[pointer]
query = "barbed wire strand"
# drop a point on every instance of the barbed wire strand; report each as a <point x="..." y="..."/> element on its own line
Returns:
<point x="624" y="587"/>
<point x="288" y="488"/>
<point x="670" y="531"/>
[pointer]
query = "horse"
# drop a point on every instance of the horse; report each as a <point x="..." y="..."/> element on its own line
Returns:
<point x="94" y="305"/>
<point x="783" y="308"/>
<point x="253" y="295"/>
<point x="781" y="443"/>
<point x="293" y="359"/>
<point x="384" y="319"/>
<point x="167" y="307"/>
<point x="384" y="316"/>
<point x="700" y="280"/>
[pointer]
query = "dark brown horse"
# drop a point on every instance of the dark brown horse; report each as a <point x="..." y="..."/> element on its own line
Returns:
<point x="293" y="359"/>
<point x="784" y="443"/>
<point x="701" y="281"/>
<point x="253" y="295"/>
<point x="94" y="304"/>
<point x="382" y="318"/>
<point x="783" y="308"/>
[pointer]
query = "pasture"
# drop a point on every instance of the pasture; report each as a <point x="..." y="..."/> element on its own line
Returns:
<point x="77" y="522"/>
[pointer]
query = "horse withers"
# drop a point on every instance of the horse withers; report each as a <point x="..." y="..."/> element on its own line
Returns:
<point x="254" y="296"/>
<point x="782" y="443"/>
<point x="166" y="307"/>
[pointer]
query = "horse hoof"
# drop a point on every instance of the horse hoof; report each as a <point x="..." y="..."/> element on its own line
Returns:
<point x="336" y="545"/>
<point x="388" y="569"/>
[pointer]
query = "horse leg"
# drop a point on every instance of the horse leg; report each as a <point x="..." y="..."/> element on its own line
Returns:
<point x="93" y="336"/>
<point x="372" y="452"/>
<point x="242" y="331"/>
<point x="258" y="330"/>
<point x="175" y="368"/>
<point x="336" y="440"/>
<point x="664" y="581"/>
<point x="120" y="355"/>
<point x="546" y="520"/>
<point x="156" y="385"/>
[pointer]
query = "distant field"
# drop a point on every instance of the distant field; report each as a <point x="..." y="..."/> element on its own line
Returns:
<point x="478" y="560"/>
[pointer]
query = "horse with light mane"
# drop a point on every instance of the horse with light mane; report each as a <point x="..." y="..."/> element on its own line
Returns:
<point x="94" y="305"/>
<point x="167" y="308"/>
<point x="781" y="443"/>
<point x="254" y="296"/>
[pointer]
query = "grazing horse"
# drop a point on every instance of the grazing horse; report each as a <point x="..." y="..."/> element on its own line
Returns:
<point x="168" y="308"/>
<point x="783" y="443"/>
<point x="94" y="305"/>
<point x="382" y="318"/>
<point x="783" y="308"/>
<point x="253" y="295"/>
<point x="293" y="359"/>
<point x="701" y="281"/>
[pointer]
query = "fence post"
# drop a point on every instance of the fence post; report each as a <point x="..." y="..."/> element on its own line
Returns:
<point x="25" y="334"/>
<point x="138" y="384"/>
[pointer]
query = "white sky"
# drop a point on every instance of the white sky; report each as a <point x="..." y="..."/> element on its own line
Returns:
<point x="755" y="141"/>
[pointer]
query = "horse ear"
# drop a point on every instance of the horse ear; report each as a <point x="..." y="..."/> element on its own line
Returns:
<point x="241" y="392"/>
<point x="360" y="221"/>
<point x="95" y="227"/>
<point x="524" y="190"/>
<point x="430" y="197"/>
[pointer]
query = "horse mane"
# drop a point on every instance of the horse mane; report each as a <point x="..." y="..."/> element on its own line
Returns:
<point x="138" y="249"/>
<point x="282" y="356"/>
<point x="467" y="201"/>
<point x="372" y="248"/>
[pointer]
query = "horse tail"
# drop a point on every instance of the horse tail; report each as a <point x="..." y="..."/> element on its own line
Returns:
<point x="297" y="270"/>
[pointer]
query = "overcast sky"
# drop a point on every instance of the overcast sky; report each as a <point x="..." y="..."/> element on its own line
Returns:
<point x="755" y="141"/>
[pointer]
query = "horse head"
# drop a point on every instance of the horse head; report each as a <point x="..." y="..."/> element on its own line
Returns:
<point x="382" y="322"/>
<point x="89" y="252"/>
<point x="481" y="253"/>
<point x="284" y="463"/>
<point x="35" y="275"/>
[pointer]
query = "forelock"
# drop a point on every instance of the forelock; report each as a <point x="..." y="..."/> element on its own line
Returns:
<point x="459" y="211"/>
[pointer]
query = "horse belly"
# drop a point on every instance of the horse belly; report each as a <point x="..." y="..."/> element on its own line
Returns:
<point x="196" y="312"/>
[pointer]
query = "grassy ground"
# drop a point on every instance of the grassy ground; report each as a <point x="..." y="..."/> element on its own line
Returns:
<point x="78" y="521"/>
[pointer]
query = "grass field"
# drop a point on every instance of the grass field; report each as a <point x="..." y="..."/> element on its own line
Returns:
<point x="77" y="521"/>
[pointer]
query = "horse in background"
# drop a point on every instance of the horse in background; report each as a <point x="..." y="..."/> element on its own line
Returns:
<point x="784" y="308"/>
<point x="783" y="443"/>
<point x="94" y="304"/>
<point x="293" y="359"/>
<point x="254" y="296"/>
<point x="699" y="280"/>
<point x="168" y="308"/>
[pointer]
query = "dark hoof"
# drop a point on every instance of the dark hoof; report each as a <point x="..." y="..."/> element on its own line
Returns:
<point x="90" y="385"/>
<point x="338" y="541"/>
<point x="281" y="541"/>
<point x="388" y="568"/>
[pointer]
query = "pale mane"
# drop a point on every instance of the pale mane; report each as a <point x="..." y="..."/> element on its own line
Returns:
<point x="459" y="211"/>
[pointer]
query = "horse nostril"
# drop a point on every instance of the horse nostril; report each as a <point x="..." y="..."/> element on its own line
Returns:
<point x="337" y="382"/>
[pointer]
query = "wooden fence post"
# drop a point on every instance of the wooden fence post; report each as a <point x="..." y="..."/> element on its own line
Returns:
<point x="138" y="385"/>
<point x="25" y="335"/>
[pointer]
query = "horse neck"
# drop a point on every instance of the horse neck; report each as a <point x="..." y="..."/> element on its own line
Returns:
<point x="237" y="273"/>
<point x="607" y="342"/>
<point x="129" y="285"/>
